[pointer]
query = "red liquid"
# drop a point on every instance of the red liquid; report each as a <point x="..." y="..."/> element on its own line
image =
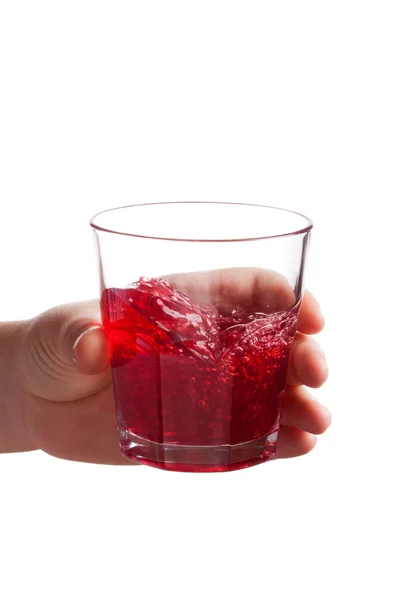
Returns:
<point x="185" y="375"/>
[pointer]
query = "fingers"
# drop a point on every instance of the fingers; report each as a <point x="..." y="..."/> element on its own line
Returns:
<point x="302" y="419"/>
<point x="307" y="363"/>
<point x="294" y="442"/>
<point x="258" y="289"/>
<point x="311" y="319"/>
<point x="302" y="411"/>
<point x="251" y="288"/>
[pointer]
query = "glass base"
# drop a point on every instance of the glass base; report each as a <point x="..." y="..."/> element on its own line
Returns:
<point x="197" y="459"/>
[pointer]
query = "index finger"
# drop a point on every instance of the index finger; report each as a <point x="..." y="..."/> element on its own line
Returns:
<point x="253" y="289"/>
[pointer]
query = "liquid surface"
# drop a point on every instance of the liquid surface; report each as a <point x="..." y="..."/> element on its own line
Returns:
<point x="185" y="374"/>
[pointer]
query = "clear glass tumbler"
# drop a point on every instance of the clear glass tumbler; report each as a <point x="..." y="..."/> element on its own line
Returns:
<point x="200" y="302"/>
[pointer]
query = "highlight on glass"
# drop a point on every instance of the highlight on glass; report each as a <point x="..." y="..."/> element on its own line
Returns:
<point x="200" y="301"/>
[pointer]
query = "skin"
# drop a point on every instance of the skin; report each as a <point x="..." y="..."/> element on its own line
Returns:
<point x="56" y="392"/>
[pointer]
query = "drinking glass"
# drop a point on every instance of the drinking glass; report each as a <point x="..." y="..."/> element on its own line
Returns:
<point x="199" y="301"/>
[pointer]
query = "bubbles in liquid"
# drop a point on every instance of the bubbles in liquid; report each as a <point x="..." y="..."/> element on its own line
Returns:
<point x="189" y="374"/>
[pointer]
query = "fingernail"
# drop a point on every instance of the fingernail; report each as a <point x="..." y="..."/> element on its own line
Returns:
<point x="327" y="418"/>
<point x="323" y="406"/>
<point x="80" y="337"/>
<point x="315" y="399"/>
<point x="319" y="307"/>
<point x="322" y="354"/>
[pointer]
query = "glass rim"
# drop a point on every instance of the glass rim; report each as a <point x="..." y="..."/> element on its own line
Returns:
<point x="308" y="226"/>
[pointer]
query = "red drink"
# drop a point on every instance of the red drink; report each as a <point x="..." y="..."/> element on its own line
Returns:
<point x="195" y="390"/>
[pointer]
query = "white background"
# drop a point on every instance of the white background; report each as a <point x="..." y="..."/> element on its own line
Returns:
<point x="294" y="104"/>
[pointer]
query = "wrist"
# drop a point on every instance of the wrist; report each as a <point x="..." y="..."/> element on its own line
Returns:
<point x="14" y="436"/>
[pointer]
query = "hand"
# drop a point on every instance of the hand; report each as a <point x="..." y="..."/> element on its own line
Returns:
<point x="64" y="361"/>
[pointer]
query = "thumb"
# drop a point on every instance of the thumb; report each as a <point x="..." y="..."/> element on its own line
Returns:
<point x="90" y="350"/>
<point x="67" y="352"/>
<point x="77" y="337"/>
